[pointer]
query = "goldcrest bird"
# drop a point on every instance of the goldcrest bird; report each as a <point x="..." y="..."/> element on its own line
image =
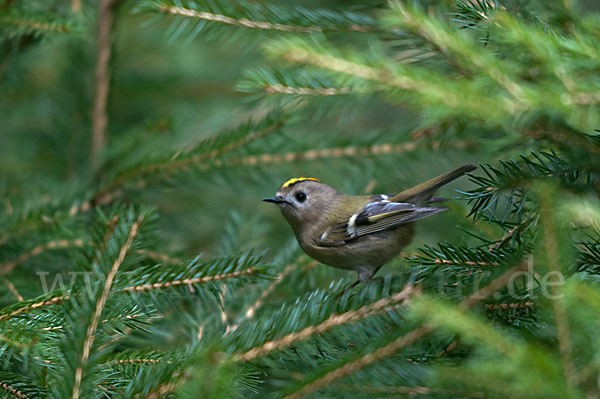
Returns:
<point x="362" y="232"/>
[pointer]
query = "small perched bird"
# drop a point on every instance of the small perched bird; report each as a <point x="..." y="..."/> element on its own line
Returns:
<point x="362" y="232"/>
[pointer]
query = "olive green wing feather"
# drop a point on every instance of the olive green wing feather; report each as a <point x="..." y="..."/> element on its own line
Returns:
<point x="376" y="216"/>
<point x="423" y="193"/>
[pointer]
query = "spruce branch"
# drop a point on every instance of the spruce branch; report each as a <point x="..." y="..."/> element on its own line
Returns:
<point x="153" y="278"/>
<point x="512" y="305"/>
<point x="245" y="267"/>
<point x="205" y="153"/>
<point x="17" y="386"/>
<point x="31" y="305"/>
<point x="251" y="311"/>
<point x="334" y="320"/>
<point x="54" y="244"/>
<point x="11" y="342"/>
<point x="157" y="256"/>
<point x="242" y="22"/>
<point x="430" y="87"/>
<point x="136" y="357"/>
<point x="34" y="26"/>
<point x="501" y="191"/>
<point x="588" y="256"/>
<point x="547" y="199"/>
<point x="91" y="330"/>
<point x="403" y="341"/>
<point x="306" y="91"/>
<point x="446" y="254"/>
<point x="300" y="82"/>
<point x="336" y="152"/>
<point x="462" y="51"/>
<point x="512" y="233"/>
<point x="258" y="17"/>
<point x="475" y="13"/>
<point x="20" y="23"/>
<point x="191" y="281"/>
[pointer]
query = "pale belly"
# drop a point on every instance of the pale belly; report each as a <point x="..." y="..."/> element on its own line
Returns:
<point x="370" y="251"/>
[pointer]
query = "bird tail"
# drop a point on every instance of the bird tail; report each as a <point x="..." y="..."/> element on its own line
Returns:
<point x="423" y="193"/>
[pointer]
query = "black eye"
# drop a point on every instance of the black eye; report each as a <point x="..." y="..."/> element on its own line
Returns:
<point x="300" y="196"/>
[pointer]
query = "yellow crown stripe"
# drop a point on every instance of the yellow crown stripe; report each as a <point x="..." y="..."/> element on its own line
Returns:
<point x="298" y="179"/>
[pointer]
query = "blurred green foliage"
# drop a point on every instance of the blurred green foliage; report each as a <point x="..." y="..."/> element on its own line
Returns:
<point x="211" y="105"/>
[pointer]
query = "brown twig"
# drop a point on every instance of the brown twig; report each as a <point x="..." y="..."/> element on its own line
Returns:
<point x="91" y="330"/>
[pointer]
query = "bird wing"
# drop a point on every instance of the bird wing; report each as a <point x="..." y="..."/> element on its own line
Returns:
<point x="376" y="216"/>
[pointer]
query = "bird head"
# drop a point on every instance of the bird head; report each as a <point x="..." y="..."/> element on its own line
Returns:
<point x="304" y="200"/>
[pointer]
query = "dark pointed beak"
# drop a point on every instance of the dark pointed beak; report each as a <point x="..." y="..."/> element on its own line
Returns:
<point x="275" y="200"/>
